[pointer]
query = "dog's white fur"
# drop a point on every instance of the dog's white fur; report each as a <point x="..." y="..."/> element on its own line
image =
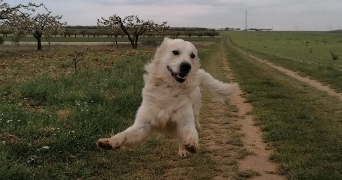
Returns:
<point x="169" y="106"/>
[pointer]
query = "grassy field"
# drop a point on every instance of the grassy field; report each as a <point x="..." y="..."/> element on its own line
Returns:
<point x="306" y="52"/>
<point x="302" y="123"/>
<point x="52" y="115"/>
<point x="110" y="39"/>
<point x="309" y="47"/>
<point x="50" y="123"/>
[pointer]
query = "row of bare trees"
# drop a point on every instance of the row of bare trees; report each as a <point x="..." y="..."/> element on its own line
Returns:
<point x="21" y="19"/>
<point x="110" y="33"/>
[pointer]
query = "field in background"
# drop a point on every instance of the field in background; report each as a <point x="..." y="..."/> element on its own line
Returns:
<point x="310" y="53"/>
<point x="310" y="47"/>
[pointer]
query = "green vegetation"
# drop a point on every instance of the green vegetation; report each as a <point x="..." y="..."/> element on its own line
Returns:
<point x="49" y="123"/>
<point x="51" y="116"/>
<point x="302" y="123"/>
<point x="291" y="45"/>
<point x="49" y="126"/>
<point x="310" y="53"/>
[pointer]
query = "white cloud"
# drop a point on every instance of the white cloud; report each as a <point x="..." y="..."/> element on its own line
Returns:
<point x="281" y="14"/>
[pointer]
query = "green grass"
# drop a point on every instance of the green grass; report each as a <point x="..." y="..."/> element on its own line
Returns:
<point x="49" y="123"/>
<point x="106" y="39"/>
<point x="77" y="110"/>
<point x="302" y="123"/>
<point x="286" y="49"/>
<point x="292" y="45"/>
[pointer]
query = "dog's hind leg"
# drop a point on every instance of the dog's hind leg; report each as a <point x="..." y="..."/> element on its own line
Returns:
<point x="132" y="136"/>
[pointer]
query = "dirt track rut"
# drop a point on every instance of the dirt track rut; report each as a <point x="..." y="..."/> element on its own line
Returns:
<point x="295" y="75"/>
<point x="252" y="138"/>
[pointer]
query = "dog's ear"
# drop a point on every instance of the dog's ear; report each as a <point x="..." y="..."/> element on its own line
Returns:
<point x="166" y="40"/>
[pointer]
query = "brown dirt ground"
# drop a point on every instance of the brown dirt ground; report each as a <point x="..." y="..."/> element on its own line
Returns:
<point x="230" y="140"/>
<point x="252" y="139"/>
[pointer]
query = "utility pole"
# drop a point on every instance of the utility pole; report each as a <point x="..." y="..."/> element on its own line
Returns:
<point x="246" y="26"/>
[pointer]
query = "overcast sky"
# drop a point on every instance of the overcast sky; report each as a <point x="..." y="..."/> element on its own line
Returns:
<point x="279" y="14"/>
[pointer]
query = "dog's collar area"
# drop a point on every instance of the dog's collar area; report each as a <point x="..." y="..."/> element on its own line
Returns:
<point x="180" y="77"/>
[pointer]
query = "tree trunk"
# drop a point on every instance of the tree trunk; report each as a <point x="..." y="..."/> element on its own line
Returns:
<point x="134" y="42"/>
<point x="39" y="41"/>
<point x="116" y="42"/>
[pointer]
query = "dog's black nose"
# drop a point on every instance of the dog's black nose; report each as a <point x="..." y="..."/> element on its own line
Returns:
<point x="184" y="67"/>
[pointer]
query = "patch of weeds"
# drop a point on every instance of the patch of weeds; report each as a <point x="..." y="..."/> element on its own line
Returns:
<point x="334" y="55"/>
<point x="247" y="174"/>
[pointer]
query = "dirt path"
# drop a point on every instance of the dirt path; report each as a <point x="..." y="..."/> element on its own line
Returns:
<point x="215" y="138"/>
<point x="219" y="147"/>
<point x="295" y="75"/>
<point x="252" y="139"/>
<point x="231" y="146"/>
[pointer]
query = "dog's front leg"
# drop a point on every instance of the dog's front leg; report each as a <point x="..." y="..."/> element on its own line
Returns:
<point x="132" y="136"/>
<point x="187" y="133"/>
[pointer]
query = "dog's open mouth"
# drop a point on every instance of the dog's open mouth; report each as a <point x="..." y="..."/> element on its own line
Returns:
<point x="180" y="77"/>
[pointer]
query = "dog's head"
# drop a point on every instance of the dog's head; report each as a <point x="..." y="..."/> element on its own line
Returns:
<point x="179" y="58"/>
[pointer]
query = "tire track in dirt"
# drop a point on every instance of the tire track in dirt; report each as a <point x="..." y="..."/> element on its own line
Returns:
<point x="220" y="142"/>
<point x="252" y="138"/>
<point x="217" y="130"/>
<point x="217" y="143"/>
<point x="307" y="80"/>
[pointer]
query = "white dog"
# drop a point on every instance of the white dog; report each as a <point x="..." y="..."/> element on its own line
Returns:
<point x="171" y="98"/>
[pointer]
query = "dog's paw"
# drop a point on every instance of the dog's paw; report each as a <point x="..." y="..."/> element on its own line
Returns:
<point x="183" y="153"/>
<point x="107" y="144"/>
<point x="191" y="146"/>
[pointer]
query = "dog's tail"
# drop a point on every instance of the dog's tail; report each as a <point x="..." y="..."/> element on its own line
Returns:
<point x="216" y="88"/>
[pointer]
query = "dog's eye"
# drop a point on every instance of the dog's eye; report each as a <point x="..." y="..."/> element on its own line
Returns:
<point x="175" y="52"/>
<point x="192" y="55"/>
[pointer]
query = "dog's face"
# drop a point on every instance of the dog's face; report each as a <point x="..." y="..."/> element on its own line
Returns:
<point x="180" y="59"/>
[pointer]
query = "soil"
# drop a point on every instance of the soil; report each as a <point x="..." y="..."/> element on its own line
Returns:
<point x="252" y="138"/>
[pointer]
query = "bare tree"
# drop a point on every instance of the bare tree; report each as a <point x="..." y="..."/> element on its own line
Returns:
<point x="52" y="28"/>
<point x="38" y="25"/>
<point x="132" y="26"/>
<point x="6" y="11"/>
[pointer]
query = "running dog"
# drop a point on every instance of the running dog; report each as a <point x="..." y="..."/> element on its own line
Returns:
<point x="171" y="98"/>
